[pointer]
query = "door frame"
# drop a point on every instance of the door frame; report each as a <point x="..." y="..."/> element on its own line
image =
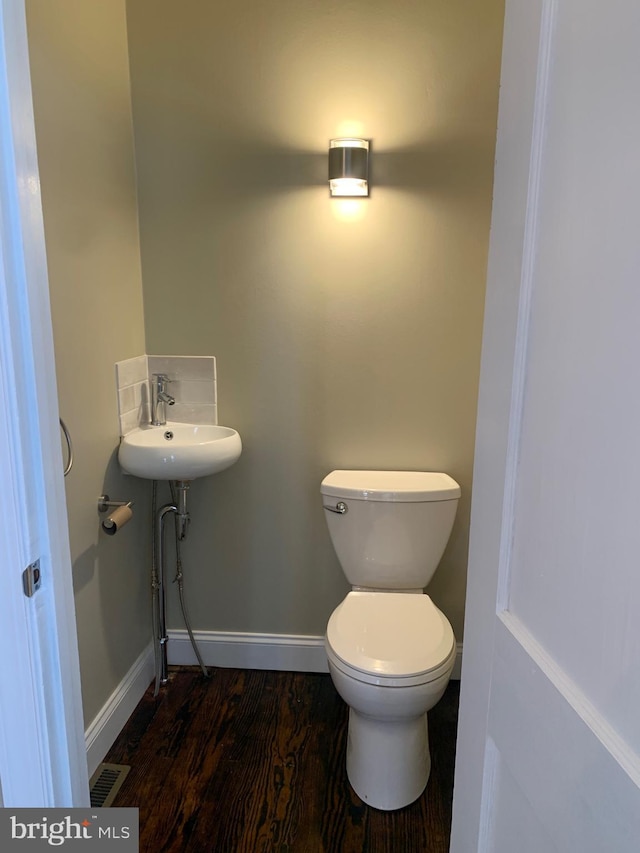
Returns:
<point x="42" y="746"/>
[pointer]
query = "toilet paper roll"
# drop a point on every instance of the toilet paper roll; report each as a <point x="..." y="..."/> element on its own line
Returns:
<point x="117" y="519"/>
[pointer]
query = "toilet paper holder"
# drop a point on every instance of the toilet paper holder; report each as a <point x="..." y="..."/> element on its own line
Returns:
<point x="120" y="513"/>
<point x="105" y="503"/>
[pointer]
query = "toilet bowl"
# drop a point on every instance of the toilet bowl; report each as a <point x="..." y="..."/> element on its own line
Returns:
<point x="390" y="650"/>
<point x="390" y="657"/>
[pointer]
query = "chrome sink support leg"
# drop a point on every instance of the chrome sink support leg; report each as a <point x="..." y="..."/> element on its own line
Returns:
<point x="179" y="491"/>
<point x="182" y="488"/>
<point x="161" y="676"/>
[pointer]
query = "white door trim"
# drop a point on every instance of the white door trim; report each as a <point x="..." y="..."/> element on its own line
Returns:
<point x="42" y="750"/>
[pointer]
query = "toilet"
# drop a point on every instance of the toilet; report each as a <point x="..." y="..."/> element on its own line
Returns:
<point x="390" y="649"/>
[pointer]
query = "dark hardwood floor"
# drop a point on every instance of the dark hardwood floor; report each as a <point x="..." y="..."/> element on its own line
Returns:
<point x="251" y="761"/>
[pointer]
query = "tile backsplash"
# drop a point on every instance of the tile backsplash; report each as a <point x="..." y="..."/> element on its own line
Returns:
<point x="132" y="384"/>
<point x="192" y="384"/>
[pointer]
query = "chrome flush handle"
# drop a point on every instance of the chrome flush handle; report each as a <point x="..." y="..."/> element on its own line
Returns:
<point x="340" y="508"/>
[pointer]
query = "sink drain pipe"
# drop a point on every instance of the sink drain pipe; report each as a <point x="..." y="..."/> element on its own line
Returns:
<point x="158" y="576"/>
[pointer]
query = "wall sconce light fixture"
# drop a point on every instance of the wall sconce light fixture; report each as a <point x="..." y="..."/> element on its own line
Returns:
<point x="349" y="167"/>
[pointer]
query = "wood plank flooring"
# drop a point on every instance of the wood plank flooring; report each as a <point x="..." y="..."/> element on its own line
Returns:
<point x="251" y="761"/>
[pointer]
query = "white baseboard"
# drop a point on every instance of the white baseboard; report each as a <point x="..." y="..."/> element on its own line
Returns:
<point x="108" y="724"/>
<point x="457" y="667"/>
<point x="288" y="652"/>
<point x="284" y="652"/>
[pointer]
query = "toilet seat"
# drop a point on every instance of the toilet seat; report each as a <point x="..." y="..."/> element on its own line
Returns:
<point x="390" y="638"/>
<point x="431" y="677"/>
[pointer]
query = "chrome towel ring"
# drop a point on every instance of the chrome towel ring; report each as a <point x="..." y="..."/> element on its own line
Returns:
<point x="69" y="447"/>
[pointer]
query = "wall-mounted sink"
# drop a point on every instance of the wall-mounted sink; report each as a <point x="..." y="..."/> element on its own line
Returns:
<point x="179" y="451"/>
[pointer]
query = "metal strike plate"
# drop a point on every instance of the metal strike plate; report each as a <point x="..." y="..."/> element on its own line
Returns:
<point x="31" y="579"/>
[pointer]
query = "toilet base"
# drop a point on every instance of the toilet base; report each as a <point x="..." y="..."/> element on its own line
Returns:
<point x="388" y="763"/>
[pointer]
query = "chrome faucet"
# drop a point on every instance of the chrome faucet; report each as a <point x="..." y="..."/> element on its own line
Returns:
<point x="160" y="399"/>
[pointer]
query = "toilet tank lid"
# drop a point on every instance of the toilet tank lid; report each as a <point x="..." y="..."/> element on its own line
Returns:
<point x="391" y="486"/>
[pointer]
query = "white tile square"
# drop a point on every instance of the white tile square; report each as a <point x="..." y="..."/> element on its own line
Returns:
<point x="183" y="366"/>
<point x="131" y="370"/>
<point x="128" y="422"/>
<point x="127" y="398"/>
<point x="193" y="413"/>
<point x="194" y="391"/>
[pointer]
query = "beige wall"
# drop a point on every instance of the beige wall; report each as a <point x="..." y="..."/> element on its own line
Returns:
<point x="80" y="78"/>
<point x="346" y="335"/>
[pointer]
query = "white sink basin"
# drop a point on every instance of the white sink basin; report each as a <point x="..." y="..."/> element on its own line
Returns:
<point x="179" y="451"/>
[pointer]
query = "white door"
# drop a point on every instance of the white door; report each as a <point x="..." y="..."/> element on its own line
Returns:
<point x="42" y="751"/>
<point x="549" y="739"/>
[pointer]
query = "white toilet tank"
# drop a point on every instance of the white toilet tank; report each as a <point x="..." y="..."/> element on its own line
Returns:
<point x="395" y="527"/>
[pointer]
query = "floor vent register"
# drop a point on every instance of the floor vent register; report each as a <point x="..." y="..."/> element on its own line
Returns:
<point x="106" y="782"/>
